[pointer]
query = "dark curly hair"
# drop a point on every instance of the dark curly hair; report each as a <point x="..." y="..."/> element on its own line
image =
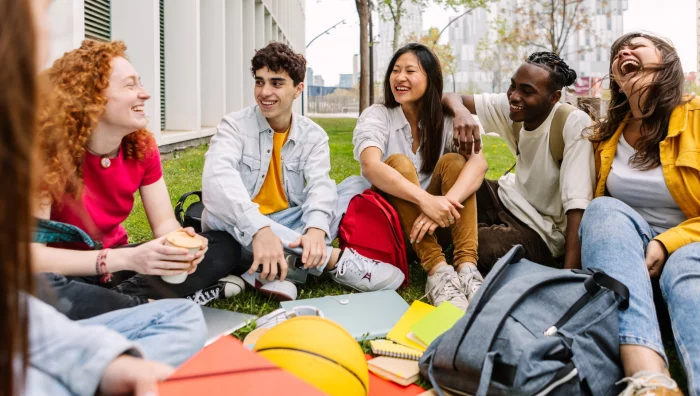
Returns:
<point x="560" y="74"/>
<point x="277" y="56"/>
<point x="663" y="94"/>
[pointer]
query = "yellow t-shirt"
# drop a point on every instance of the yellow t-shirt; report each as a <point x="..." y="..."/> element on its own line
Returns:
<point x="271" y="196"/>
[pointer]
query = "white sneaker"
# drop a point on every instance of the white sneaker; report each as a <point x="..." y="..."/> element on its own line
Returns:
<point x="444" y="285"/>
<point x="645" y="383"/>
<point x="231" y="285"/>
<point x="277" y="289"/>
<point x="361" y="273"/>
<point x="471" y="281"/>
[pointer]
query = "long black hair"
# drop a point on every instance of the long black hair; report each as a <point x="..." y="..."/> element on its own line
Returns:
<point x="430" y="107"/>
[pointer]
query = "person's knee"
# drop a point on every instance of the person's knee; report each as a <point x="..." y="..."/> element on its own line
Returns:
<point x="602" y="212"/>
<point x="403" y="165"/>
<point x="683" y="263"/>
<point x="451" y="162"/>
<point x="187" y="318"/>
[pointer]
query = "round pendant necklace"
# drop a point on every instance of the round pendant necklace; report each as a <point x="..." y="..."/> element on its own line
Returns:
<point x="105" y="162"/>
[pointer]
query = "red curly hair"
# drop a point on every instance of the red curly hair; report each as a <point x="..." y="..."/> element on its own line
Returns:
<point x="77" y="101"/>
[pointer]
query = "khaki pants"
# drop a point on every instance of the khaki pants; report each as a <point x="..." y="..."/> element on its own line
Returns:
<point x="462" y="234"/>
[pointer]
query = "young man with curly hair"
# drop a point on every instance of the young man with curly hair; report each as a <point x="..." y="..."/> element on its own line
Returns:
<point x="267" y="182"/>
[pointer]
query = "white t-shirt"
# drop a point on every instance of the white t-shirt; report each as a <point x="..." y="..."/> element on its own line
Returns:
<point x="389" y="130"/>
<point x="540" y="193"/>
<point x="645" y="191"/>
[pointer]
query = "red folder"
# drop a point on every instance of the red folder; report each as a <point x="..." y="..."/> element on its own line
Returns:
<point x="381" y="387"/>
<point x="226" y="367"/>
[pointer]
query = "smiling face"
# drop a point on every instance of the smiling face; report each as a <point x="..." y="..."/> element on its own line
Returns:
<point x="631" y="60"/>
<point x="408" y="81"/>
<point x="125" y="98"/>
<point x="275" y="92"/>
<point x="530" y="95"/>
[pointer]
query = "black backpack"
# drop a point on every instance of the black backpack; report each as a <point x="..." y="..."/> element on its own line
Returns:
<point x="192" y="215"/>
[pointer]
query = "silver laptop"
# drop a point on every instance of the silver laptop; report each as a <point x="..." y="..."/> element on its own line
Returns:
<point x="221" y="322"/>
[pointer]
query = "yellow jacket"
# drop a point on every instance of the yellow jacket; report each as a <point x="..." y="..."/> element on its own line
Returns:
<point x="680" y="161"/>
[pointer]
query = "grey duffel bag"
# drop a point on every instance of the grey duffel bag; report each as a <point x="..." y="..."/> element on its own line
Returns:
<point x="533" y="330"/>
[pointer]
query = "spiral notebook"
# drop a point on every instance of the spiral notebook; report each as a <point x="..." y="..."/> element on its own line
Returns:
<point x="391" y="349"/>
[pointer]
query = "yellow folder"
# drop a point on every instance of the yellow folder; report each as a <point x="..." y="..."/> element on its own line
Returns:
<point x="399" y="332"/>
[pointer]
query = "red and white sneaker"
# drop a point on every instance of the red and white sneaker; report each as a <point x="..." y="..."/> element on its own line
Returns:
<point x="277" y="289"/>
<point x="364" y="274"/>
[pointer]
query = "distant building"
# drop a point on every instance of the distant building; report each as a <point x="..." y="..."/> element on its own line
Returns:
<point x="346" y="81"/>
<point x="309" y="76"/>
<point x="465" y="34"/>
<point x="383" y="32"/>
<point x="697" y="28"/>
<point x="606" y="21"/>
<point x="356" y="69"/>
<point x="318" y="81"/>
<point x="317" y="90"/>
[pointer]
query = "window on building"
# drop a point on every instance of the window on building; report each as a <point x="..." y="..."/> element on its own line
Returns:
<point x="583" y="56"/>
<point x="609" y="22"/>
<point x="98" y="20"/>
<point x="162" y="64"/>
<point x="597" y="54"/>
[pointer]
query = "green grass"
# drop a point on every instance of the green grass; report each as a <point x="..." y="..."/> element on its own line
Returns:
<point x="184" y="173"/>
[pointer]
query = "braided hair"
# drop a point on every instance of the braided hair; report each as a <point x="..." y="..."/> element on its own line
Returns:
<point x="560" y="75"/>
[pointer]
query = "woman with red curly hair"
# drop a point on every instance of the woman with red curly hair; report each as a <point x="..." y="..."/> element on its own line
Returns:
<point x="97" y="154"/>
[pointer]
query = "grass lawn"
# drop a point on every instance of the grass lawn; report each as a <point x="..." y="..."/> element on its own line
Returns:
<point x="184" y="173"/>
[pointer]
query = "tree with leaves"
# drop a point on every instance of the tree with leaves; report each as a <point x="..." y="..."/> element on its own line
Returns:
<point x="497" y="55"/>
<point x="363" y="13"/>
<point x="548" y="25"/>
<point x="395" y="10"/>
<point x="444" y="52"/>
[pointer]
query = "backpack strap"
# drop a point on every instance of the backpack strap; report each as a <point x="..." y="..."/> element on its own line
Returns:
<point x="556" y="134"/>
<point x="179" y="211"/>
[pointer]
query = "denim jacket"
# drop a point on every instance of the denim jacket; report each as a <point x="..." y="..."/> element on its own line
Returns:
<point x="73" y="354"/>
<point x="238" y="160"/>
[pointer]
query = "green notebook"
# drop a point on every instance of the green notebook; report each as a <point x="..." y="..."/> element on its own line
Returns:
<point x="436" y="322"/>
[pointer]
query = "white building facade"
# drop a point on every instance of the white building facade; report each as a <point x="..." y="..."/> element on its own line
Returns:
<point x="193" y="56"/>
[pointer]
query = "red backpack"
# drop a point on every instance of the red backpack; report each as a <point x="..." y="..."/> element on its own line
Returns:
<point x="372" y="227"/>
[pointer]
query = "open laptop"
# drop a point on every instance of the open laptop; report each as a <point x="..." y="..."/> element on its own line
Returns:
<point x="365" y="316"/>
<point x="221" y="322"/>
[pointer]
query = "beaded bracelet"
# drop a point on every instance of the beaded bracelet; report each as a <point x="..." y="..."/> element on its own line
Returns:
<point x="101" y="266"/>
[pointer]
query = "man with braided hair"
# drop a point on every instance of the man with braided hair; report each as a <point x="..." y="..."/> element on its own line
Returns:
<point x="541" y="205"/>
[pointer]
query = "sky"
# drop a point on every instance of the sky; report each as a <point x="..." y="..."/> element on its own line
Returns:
<point x="331" y="54"/>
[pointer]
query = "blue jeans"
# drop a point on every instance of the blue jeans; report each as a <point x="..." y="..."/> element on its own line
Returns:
<point x="614" y="238"/>
<point x="168" y="331"/>
<point x="288" y="226"/>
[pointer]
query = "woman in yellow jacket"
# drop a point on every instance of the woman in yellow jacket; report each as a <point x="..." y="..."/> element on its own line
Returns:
<point x="645" y="223"/>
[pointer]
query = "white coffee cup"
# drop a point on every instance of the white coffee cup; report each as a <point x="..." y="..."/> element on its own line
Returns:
<point x="181" y="239"/>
